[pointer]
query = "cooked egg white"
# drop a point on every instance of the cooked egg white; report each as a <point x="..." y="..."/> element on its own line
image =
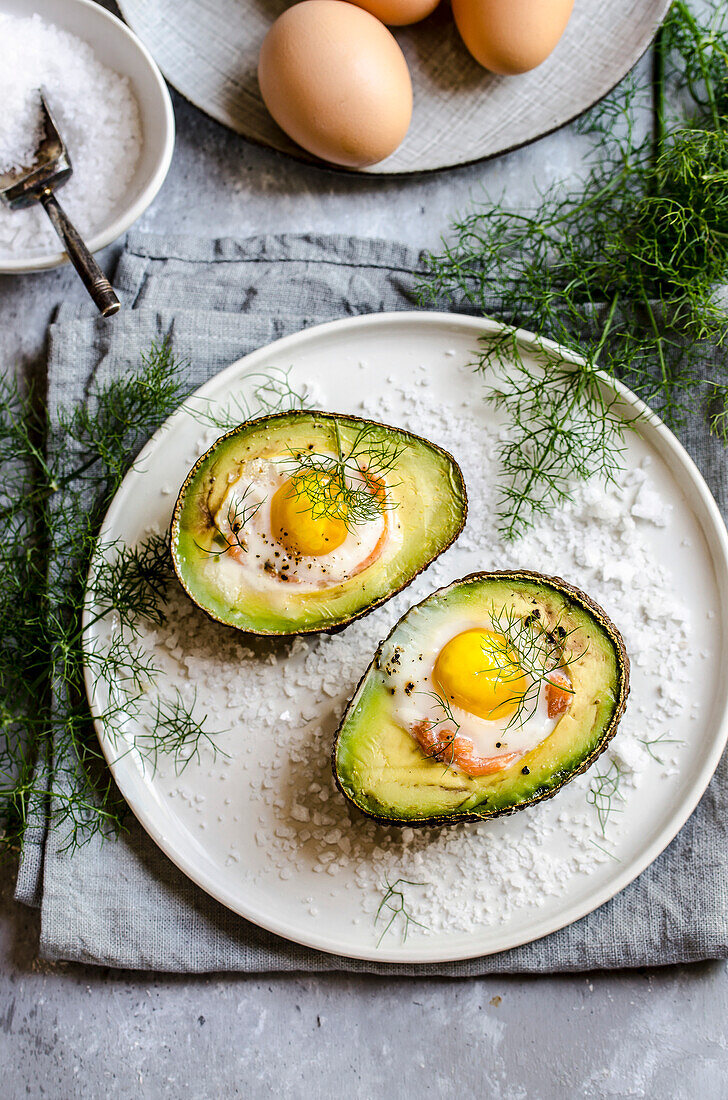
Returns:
<point x="278" y="539"/>
<point x="444" y="668"/>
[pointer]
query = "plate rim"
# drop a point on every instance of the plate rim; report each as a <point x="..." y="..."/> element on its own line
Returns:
<point x="717" y="541"/>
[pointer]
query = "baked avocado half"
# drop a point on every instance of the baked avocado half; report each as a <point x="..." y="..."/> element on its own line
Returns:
<point x="516" y="677"/>
<point x="301" y="521"/>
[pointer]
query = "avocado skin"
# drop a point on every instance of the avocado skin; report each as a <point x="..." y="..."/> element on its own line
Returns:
<point x="559" y="778"/>
<point x="301" y="415"/>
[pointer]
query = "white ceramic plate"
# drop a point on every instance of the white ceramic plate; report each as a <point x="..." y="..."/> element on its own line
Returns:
<point x="394" y="357"/>
<point x="208" y="49"/>
<point x="119" y="49"/>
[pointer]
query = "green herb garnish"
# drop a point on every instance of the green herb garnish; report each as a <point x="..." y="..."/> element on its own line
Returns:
<point x="271" y="391"/>
<point x="625" y="268"/>
<point x="129" y="585"/>
<point x="663" y="739"/>
<point x="606" y="851"/>
<point x="348" y="485"/>
<point x="517" y="648"/>
<point x="394" y="906"/>
<point x="232" y="536"/>
<point x="604" y="793"/>
<point x="446" y="746"/>
<point x="57" y="486"/>
<point x="539" y="654"/>
<point x="717" y="405"/>
<point x="131" y="581"/>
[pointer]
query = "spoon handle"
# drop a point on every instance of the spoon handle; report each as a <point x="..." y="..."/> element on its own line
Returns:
<point x="91" y="274"/>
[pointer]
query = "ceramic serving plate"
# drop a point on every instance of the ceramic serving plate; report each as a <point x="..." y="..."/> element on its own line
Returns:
<point x="208" y="49"/>
<point x="243" y="826"/>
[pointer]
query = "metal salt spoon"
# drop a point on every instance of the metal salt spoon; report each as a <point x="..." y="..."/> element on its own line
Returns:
<point x="26" y="186"/>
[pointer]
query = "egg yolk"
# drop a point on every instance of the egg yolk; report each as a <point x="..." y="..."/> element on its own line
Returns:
<point x="479" y="671"/>
<point x="296" y="519"/>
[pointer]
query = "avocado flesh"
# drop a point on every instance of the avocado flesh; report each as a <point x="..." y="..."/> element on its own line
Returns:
<point x="379" y="766"/>
<point x="426" y="487"/>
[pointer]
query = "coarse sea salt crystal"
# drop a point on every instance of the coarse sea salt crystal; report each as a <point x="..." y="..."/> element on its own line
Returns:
<point x="630" y="755"/>
<point x="97" y="116"/>
<point x="649" y="506"/>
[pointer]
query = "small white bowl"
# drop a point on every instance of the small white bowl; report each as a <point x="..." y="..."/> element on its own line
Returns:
<point x="119" y="49"/>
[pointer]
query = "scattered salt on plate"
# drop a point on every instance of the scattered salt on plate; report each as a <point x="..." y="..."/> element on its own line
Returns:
<point x="473" y="876"/>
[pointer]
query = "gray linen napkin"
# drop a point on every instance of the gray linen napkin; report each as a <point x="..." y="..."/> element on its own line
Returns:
<point x="122" y="903"/>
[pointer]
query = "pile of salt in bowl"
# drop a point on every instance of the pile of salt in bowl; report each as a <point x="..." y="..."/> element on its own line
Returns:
<point x="97" y="116"/>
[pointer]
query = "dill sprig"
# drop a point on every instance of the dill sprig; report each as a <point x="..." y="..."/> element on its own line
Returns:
<point x="348" y="485"/>
<point x="446" y="746"/>
<point x="564" y="427"/>
<point x="130" y="580"/>
<point x="271" y="391"/>
<point x="624" y="267"/>
<point x="663" y="739"/>
<point x="605" y="851"/>
<point x="604" y="793"/>
<point x="128" y="585"/>
<point x="393" y="907"/>
<point x="175" y="732"/>
<point x="58" y="480"/>
<point x="231" y="536"/>
<point x="717" y="407"/>
<point x="524" y="645"/>
<point x="515" y="648"/>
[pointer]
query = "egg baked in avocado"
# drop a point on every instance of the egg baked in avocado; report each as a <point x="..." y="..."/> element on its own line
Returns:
<point x="487" y="697"/>
<point x="303" y="521"/>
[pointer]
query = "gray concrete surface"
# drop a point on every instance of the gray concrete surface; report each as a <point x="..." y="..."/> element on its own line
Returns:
<point x="79" y="1032"/>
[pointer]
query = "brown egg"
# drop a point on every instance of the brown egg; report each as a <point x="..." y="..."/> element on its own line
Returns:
<point x="511" y="36"/>
<point x="335" y="80"/>
<point x="398" y="13"/>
